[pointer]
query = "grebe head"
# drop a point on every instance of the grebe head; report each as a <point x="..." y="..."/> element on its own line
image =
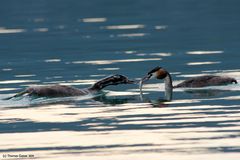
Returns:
<point x="111" y="80"/>
<point x="157" y="72"/>
<point x="119" y="79"/>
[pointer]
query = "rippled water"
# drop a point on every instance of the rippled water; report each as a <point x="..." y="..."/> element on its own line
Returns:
<point x="78" y="42"/>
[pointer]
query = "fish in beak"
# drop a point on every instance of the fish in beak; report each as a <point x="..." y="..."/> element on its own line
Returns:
<point x="143" y="80"/>
<point x="155" y="72"/>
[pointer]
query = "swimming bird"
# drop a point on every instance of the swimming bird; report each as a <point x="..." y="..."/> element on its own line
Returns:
<point x="196" y="82"/>
<point x="67" y="91"/>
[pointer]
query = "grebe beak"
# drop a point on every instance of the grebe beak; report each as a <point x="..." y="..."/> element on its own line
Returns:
<point x="146" y="78"/>
<point x="128" y="81"/>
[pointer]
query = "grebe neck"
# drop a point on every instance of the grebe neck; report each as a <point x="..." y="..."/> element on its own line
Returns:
<point x="102" y="84"/>
<point x="99" y="85"/>
<point x="168" y="87"/>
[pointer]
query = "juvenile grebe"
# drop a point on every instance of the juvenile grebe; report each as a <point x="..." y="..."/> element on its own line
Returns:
<point x="66" y="91"/>
<point x="196" y="82"/>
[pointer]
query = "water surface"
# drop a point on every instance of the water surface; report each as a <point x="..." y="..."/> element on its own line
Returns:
<point x="79" y="42"/>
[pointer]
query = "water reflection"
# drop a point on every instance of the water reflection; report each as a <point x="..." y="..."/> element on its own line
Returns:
<point x="42" y="37"/>
<point x="132" y="35"/>
<point x="110" y="100"/>
<point x="183" y="101"/>
<point x="107" y="120"/>
<point x="39" y="20"/>
<point x="93" y="20"/>
<point x="8" y="89"/>
<point x="161" y="27"/>
<point x="116" y="122"/>
<point x="52" y="60"/>
<point x="204" y="52"/>
<point x="6" y="31"/>
<point x="205" y="92"/>
<point x="18" y="81"/>
<point x="103" y="62"/>
<point x="41" y="30"/>
<point x="108" y="69"/>
<point x="123" y="27"/>
<point x="7" y="69"/>
<point x="25" y="75"/>
<point x="161" y="54"/>
<point x="202" y="63"/>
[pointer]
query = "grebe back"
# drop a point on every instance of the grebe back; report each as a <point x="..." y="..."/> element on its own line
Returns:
<point x="204" y="81"/>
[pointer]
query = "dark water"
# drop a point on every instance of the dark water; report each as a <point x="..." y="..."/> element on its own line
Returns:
<point x="78" y="42"/>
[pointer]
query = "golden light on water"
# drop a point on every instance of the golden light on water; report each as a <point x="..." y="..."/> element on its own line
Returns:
<point x="177" y="131"/>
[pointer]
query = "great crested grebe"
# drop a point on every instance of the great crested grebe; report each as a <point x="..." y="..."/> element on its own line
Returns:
<point x="67" y="91"/>
<point x="196" y="82"/>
